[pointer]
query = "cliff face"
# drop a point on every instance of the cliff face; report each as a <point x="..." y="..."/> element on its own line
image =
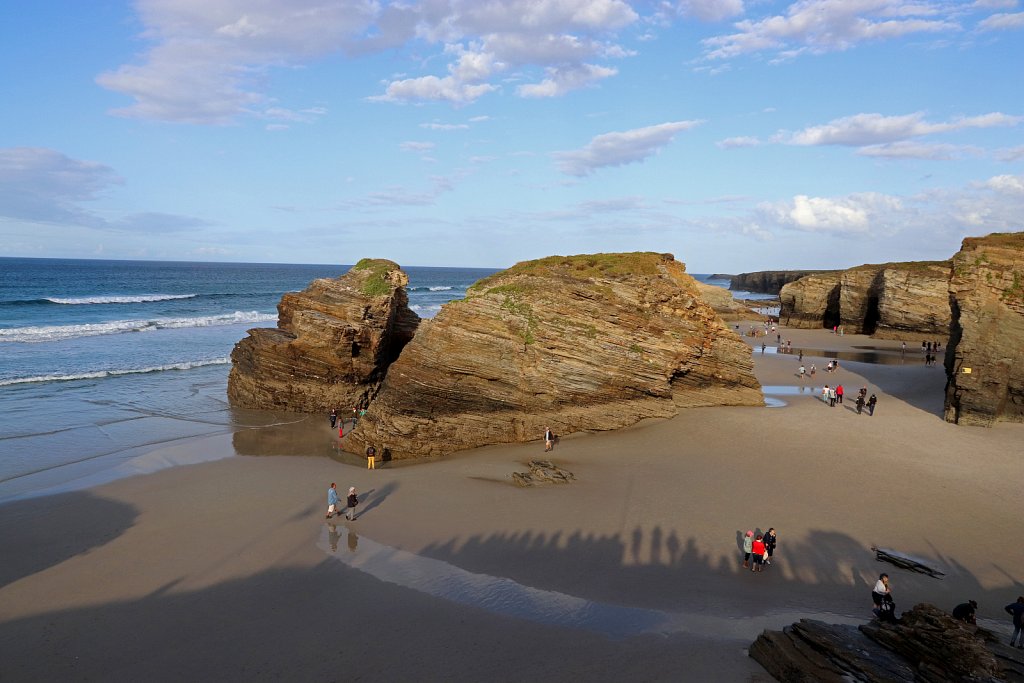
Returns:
<point x="810" y="302"/>
<point x="333" y="344"/>
<point x="722" y="302"/>
<point x="577" y="343"/>
<point x="985" y="355"/>
<point x="769" y="281"/>
<point x="891" y="301"/>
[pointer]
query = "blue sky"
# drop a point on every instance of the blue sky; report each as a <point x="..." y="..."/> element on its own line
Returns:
<point x="737" y="134"/>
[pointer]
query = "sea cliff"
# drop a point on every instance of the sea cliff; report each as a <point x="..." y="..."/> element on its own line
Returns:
<point x="590" y="342"/>
<point x="332" y="346"/>
<point x="768" y="281"/>
<point x="985" y="355"/>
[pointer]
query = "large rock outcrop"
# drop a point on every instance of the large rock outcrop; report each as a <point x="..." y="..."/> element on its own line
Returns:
<point x="926" y="645"/>
<point x="333" y="344"/>
<point x="985" y="355"/>
<point x="890" y="301"/>
<point x="769" y="281"/>
<point x="575" y="343"/>
<point x="723" y="302"/>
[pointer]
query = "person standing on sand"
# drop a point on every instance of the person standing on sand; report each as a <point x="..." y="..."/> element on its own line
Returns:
<point x="813" y="370"/>
<point x="332" y="500"/>
<point x="334" y="417"/>
<point x="860" y="403"/>
<point x="839" y="393"/>
<point x="770" y="542"/>
<point x="757" y="548"/>
<point x="748" y="548"/>
<point x="1016" y="609"/>
<point x="831" y="398"/>
<point x="871" y="404"/>
<point x="350" y="511"/>
<point x="802" y="371"/>
<point x="549" y="439"/>
<point x="824" y="394"/>
<point x="763" y="347"/>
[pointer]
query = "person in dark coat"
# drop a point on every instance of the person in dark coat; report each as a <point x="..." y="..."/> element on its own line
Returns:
<point x="966" y="611"/>
<point x="871" y="404"/>
<point x="334" y="417"/>
<point x="770" y="541"/>
<point x="350" y="511"/>
<point x="1016" y="609"/>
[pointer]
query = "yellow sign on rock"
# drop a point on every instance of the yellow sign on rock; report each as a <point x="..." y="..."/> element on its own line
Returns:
<point x="967" y="371"/>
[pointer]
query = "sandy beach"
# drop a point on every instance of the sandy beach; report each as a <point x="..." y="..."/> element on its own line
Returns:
<point x="227" y="570"/>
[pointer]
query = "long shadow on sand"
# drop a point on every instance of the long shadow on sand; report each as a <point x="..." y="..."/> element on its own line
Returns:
<point x="67" y="524"/>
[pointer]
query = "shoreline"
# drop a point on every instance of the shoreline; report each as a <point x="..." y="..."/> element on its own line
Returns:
<point x="218" y="557"/>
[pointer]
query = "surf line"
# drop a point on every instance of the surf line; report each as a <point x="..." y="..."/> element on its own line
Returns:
<point x="503" y="596"/>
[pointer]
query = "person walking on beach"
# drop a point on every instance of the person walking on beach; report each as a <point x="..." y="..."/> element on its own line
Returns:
<point x="813" y="370"/>
<point x="763" y="347"/>
<point x="860" y="403"/>
<point x="758" y="550"/>
<point x="770" y="541"/>
<point x="839" y="393"/>
<point x="332" y="500"/>
<point x="334" y="417"/>
<point x="832" y="398"/>
<point x="824" y="394"/>
<point x="1016" y="610"/>
<point x="871" y="404"/>
<point x="802" y="371"/>
<point x="549" y="439"/>
<point x="748" y="548"/>
<point x="353" y="500"/>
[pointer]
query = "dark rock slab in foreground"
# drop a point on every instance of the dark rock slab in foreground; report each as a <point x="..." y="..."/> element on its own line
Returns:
<point x="542" y="472"/>
<point x="926" y="645"/>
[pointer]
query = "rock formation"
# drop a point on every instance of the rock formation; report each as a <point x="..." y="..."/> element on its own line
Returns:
<point x="926" y="645"/>
<point x="985" y="355"/>
<point x="723" y="302"/>
<point x="333" y="344"/>
<point x="890" y="301"/>
<point x="769" y="281"/>
<point x="575" y="343"/>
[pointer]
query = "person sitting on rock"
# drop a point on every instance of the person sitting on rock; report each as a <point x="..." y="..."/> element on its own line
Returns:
<point x="966" y="611"/>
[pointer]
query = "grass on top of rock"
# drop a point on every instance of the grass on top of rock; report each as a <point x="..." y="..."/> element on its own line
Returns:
<point x="581" y="267"/>
<point x="376" y="282"/>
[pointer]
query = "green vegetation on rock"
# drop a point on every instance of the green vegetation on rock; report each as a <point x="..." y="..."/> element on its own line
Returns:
<point x="376" y="282"/>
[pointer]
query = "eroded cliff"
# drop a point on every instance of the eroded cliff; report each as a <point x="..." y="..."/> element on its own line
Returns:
<point x="333" y="344"/>
<point x="769" y="281"/>
<point x="892" y="300"/>
<point x="985" y="355"/>
<point x="575" y="343"/>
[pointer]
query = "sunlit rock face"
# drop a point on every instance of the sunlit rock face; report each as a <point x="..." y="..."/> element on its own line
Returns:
<point x="333" y="344"/>
<point x="985" y="356"/>
<point x="589" y="342"/>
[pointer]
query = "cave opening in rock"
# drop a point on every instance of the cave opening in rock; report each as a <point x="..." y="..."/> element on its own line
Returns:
<point x="831" y="316"/>
<point x="871" y="316"/>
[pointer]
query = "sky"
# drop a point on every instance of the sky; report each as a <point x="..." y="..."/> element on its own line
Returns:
<point x="738" y="135"/>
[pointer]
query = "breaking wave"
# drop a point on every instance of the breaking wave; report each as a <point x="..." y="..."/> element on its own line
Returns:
<point x="99" y="374"/>
<point x="120" y="299"/>
<point x="50" y="333"/>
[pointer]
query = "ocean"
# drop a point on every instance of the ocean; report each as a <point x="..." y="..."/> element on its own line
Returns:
<point x="102" y="362"/>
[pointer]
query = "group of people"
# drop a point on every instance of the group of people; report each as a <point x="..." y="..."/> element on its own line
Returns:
<point x="357" y="414"/>
<point x="758" y="549"/>
<point x="333" y="501"/>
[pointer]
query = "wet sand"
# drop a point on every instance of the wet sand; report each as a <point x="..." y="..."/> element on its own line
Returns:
<point x="227" y="570"/>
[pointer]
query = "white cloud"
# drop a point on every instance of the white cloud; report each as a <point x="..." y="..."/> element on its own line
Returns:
<point x="873" y="129"/>
<point x="432" y="88"/>
<point x="711" y="10"/>
<point x="1007" y="184"/>
<point x="43" y="185"/>
<point x="444" y="126"/>
<point x="1010" y="153"/>
<point x="1002" y="22"/>
<point x="562" y="80"/>
<point x="916" y="150"/>
<point x="620" y="148"/>
<point x="854" y="214"/>
<point x="412" y="146"/>
<point x="742" y="141"/>
<point x="995" y="4"/>
<point x="820" y="26"/>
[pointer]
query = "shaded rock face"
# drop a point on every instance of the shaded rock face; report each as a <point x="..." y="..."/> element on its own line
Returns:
<point x="333" y="344"/>
<point x="769" y="281"/>
<point x="927" y="645"/>
<point x="987" y="294"/>
<point x="575" y="343"/>
<point x="889" y="301"/>
<point x="722" y="302"/>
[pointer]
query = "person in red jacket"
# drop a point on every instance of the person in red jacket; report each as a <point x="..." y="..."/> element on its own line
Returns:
<point x="839" y="393"/>
<point x="758" y="553"/>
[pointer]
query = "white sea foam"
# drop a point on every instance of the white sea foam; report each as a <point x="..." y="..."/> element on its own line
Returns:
<point x="126" y="299"/>
<point x="99" y="374"/>
<point x="439" y="289"/>
<point x="434" y="308"/>
<point x="50" y="333"/>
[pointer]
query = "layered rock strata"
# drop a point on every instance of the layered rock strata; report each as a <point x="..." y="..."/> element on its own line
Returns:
<point x="723" y="302"/>
<point x="769" y="281"/>
<point x="332" y="346"/>
<point x="926" y="645"/>
<point x="575" y="343"/>
<point x="985" y="355"/>
<point x="890" y="301"/>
